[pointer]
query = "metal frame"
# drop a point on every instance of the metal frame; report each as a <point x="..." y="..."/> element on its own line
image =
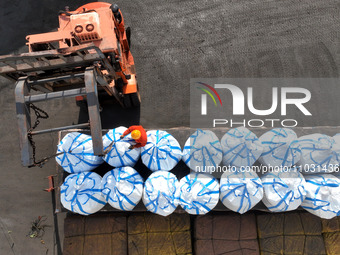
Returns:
<point x="23" y="99"/>
<point x="82" y="55"/>
<point x="75" y="66"/>
<point x="24" y="121"/>
<point x="93" y="108"/>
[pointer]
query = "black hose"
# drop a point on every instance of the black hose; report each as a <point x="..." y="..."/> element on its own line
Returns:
<point x="69" y="14"/>
<point x="92" y="10"/>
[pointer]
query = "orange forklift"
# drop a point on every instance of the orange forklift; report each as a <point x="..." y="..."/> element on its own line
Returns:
<point x="89" y="54"/>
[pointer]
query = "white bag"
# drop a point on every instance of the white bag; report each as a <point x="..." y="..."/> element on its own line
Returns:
<point x="240" y="190"/>
<point x="162" y="151"/>
<point x="160" y="194"/>
<point x="123" y="188"/>
<point x="317" y="154"/>
<point x="82" y="193"/>
<point x="283" y="190"/>
<point x="241" y="147"/>
<point x="336" y="153"/>
<point x="199" y="193"/>
<point x="323" y="193"/>
<point x="120" y="155"/>
<point x="202" y="151"/>
<point x="77" y="153"/>
<point x="279" y="148"/>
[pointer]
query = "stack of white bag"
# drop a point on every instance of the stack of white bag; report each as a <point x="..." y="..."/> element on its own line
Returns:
<point x="241" y="147"/>
<point x="82" y="193"/>
<point x="336" y="147"/>
<point x="240" y="190"/>
<point x="202" y="151"/>
<point x="123" y="188"/>
<point x="160" y="194"/>
<point x="279" y="148"/>
<point x="119" y="153"/>
<point x="162" y="151"/>
<point x="284" y="190"/>
<point x="319" y="153"/>
<point x="76" y="153"/>
<point x="323" y="193"/>
<point x="198" y="193"/>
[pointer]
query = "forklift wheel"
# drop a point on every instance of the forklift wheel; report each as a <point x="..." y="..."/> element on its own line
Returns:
<point x="128" y="35"/>
<point x="127" y="101"/>
<point x="135" y="99"/>
<point x="132" y="100"/>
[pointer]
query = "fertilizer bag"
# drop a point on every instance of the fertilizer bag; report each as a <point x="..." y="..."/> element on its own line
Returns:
<point x="202" y="151"/>
<point x="284" y="190"/>
<point x="199" y="193"/>
<point x="118" y="152"/>
<point x="76" y="153"/>
<point x="241" y="147"/>
<point x="319" y="153"/>
<point x="82" y="193"/>
<point x="160" y="194"/>
<point x="323" y="193"/>
<point x="240" y="190"/>
<point x="123" y="188"/>
<point x="279" y="148"/>
<point x="162" y="151"/>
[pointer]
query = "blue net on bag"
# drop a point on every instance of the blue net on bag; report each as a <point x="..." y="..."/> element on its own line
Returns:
<point x="283" y="190"/>
<point x="123" y="188"/>
<point x="120" y="155"/>
<point x="162" y="151"/>
<point x="241" y="147"/>
<point x="77" y="153"/>
<point x="160" y="194"/>
<point x="322" y="198"/>
<point x="202" y="151"/>
<point x="199" y="193"/>
<point x="279" y="147"/>
<point x="82" y="193"/>
<point x="240" y="190"/>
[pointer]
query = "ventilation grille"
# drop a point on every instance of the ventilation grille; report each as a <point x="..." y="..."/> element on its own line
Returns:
<point x="84" y="37"/>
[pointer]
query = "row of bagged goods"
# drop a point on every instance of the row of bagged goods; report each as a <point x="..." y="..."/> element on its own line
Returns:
<point x="197" y="193"/>
<point x="239" y="190"/>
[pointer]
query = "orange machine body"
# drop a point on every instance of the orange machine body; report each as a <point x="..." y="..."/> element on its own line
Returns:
<point x="96" y="23"/>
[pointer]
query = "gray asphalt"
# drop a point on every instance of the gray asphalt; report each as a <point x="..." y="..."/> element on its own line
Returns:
<point x="172" y="41"/>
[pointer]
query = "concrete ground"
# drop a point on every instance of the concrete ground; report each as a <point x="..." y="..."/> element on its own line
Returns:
<point x="172" y="41"/>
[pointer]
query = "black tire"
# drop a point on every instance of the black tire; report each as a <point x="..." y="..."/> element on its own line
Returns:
<point x="128" y="35"/>
<point x="127" y="101"/>
<point x="135" y="99"/>
<point x="131" y="100"/>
